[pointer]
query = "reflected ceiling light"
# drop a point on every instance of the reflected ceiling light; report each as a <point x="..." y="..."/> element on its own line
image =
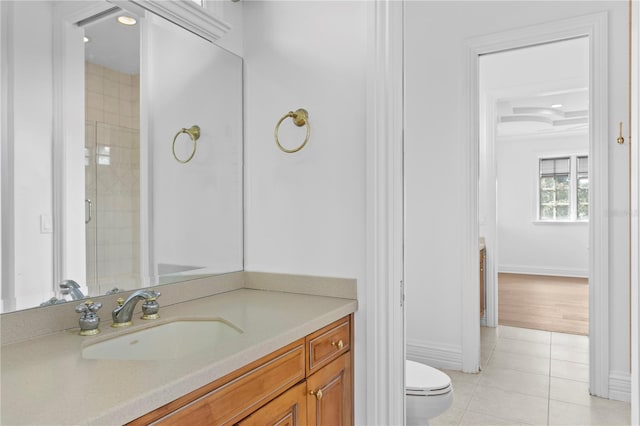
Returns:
<point x="86" y="39"/>
<point x="126" y="20"/>
<point x="537" y="110"/>
<point x="556" y="106"/>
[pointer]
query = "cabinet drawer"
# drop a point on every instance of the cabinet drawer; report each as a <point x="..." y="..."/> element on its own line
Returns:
<point x="327" y="344"/>
<point x="244" y="394"/>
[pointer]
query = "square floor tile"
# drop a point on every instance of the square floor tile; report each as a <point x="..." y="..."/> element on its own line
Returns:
<point x="568" y="353"/>
<point x="471" y="418"/>
<point x="575" y="392"/>
<point x="570" y="370"/>
<point x="510" y="361"/>
<point x="462" y="394"/>
<point x="537" y="336"/>
<point x="523" y="347"/>
<point x="512" y="406"/>
<point x="489" y="334"/>
<point x="563" y="413"/>
<point x="572" y="340"/>
<point x="516" y="381"/>
<point x="450" y="417"/>
<point x="484" y="359"/>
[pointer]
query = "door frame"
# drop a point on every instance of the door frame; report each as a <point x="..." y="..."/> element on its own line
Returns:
<point x="635" y="218"/>
<point x="595" y="27"/>
<point x="384" y="291"/>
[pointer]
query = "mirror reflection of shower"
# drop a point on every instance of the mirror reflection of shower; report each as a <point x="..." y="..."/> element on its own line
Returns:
<point x="112" y="152"/>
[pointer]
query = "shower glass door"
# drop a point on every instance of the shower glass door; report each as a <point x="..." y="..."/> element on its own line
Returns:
<point x="112" y="203"/>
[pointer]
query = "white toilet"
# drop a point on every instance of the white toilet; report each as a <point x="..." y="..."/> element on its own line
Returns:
<point x="429" y="393"/>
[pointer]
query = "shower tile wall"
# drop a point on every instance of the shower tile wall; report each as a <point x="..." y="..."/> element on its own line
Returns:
<point x="112" y="151"/>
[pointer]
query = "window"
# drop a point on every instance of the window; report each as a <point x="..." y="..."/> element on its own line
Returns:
<point x="563" y="188"/>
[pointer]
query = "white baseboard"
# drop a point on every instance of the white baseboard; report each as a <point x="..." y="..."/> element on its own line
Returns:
<point x="440" y="356"/>
<point x="537" y="270"/>
<point x="620" y="386"/>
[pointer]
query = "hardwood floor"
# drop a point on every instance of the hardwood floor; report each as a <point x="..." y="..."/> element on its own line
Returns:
<point x="544" y="303"/>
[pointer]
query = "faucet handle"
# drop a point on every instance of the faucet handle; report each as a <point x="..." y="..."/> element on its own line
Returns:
<point x="150" y="307"/>
<point x="120" y="301"/>
<point x="89" y="320"/>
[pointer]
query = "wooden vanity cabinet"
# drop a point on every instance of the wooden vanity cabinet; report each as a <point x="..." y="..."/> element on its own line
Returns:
<point x="307" y="382"/>
<point x="329" y="396"/>
<point x="289" y="409"/>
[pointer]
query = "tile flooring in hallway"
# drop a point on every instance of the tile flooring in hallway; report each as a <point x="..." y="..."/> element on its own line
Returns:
<point x="530" y="377"/>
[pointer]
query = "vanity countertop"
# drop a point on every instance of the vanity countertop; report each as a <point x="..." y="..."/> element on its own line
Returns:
<point x="46" y="381"/>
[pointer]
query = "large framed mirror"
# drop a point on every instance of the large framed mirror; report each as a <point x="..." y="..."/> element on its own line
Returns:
<point x="98" y="102"/>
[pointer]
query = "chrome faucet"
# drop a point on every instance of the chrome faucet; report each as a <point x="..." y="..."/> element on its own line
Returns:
<point x="71" y="288"/>
<point x="124" y="311"/>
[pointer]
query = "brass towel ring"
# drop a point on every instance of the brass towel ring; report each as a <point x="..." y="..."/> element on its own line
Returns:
<point x="300" y="118"/>
<point x="194" y="134"/>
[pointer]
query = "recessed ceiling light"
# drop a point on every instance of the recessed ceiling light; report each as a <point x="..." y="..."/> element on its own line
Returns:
<point x="126" y="20"/>
<point x="86" y="39"/>
<point x="556" y="106"/>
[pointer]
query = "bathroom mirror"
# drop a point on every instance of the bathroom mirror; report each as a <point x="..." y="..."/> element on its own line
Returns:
<point x="95" y="186"/>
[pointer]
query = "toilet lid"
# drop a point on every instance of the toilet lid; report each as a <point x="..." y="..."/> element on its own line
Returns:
<point x="424" y="380"/>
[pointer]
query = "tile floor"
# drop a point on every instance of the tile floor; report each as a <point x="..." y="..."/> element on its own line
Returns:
<point x="530" y="377"/>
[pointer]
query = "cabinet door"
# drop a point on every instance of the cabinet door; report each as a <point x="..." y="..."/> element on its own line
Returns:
<point x="329" y="397"/>
<point x="289" y="409"/>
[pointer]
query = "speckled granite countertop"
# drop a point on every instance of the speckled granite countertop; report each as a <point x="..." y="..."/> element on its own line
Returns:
<point x="45" y="380"/>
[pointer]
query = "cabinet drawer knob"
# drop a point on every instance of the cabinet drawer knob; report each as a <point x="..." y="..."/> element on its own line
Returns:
<point x="338" y="344"/>
<point x="318" y="394"/>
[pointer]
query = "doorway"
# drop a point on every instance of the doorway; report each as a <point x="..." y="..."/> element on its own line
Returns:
<point x="591" y="27"/>
<point x="534" y="185"/>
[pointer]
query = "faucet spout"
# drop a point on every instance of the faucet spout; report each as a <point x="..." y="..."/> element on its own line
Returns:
<point x="71" y="288"/>
<point x="124" y="311"/>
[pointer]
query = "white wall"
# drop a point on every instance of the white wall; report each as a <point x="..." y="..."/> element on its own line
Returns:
<point x="435" y="33"/>
<point x="527" y="245"/>
<point x="197" y="206"/>
<point x="31" y="105"/>
<point x="305" y="212"/>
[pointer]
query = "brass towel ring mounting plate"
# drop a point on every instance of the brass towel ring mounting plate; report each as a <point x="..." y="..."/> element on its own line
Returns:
<point x="194" y="134"/>
<point x="300" y="118"/>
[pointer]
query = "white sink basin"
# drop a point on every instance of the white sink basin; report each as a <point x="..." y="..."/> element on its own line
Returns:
<point x="170" y="340"/>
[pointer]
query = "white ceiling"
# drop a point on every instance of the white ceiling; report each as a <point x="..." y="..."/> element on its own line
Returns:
<point x="525" y="83"/>
<point x="113" y="45"/>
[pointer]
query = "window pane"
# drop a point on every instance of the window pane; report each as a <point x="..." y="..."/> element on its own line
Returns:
<point x="562" y="212"/>
<point x="583" y="183"/>
<point x="547" y="197"/>
<point x="547" y="167"/>
<point x="583" y="195"/>
<point x="546" y="212"/>
<point x="583" y="165"/>
<point x="562" y="165"/>
<point x="583" y="211"/>
<point x="547" y="183"/>
<point x="552" y="166"/>
<point x="582" y="190"/>
<point x="562" y="196"/>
